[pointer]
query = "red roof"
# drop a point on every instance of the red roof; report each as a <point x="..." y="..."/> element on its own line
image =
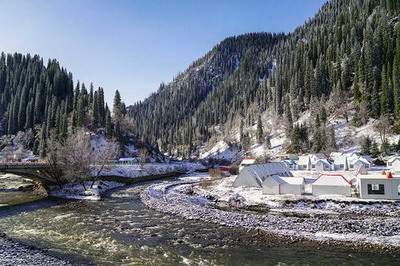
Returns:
<point x="342" y="176"/>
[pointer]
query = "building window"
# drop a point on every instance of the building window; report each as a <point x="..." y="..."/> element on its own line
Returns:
<point x="376" y="189"/>
<point x="351" y="166"/>
<point x="389" y="164"/>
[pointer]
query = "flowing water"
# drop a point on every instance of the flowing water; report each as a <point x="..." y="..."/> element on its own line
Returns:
<point x="121" y="230"/>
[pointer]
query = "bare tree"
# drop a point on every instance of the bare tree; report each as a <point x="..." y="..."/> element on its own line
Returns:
<point x="143" y="154"/>
<point x="77" y="160"/>
<point x="105" y="152"/>
<point x="382" y="125"/>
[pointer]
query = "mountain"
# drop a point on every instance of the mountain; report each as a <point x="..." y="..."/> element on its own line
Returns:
<point x="38" y="101"/>
<point x="345" y="61"/>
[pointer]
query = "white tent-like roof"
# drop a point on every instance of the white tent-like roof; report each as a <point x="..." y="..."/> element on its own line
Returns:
<point x="331" y="180"/>
<point x="254" y="175"/>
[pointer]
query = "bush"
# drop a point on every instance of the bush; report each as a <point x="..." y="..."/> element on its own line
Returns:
<point x="215" y="172"/>
<point x="234" y="170"/>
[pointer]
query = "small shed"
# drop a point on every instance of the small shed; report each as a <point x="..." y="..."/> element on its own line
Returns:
<point x="394" y="164"/>
<point x="255" y="175"/>
<point x="332" y="184"/>
<point x="277" y="185"/>
<point x="359" y="165"/>
<point x="384" y="186"/>
<point x="304" y="163"/>
<point x="341" y="163"/>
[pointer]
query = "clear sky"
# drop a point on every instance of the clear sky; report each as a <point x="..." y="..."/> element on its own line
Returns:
<point x="134" y="45"/>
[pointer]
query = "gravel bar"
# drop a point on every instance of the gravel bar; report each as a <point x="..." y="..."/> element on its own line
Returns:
<point x="373" y="233"/>
<point x="14" y="253"/>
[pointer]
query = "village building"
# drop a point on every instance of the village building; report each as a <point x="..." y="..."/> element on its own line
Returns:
<point x="255" y="175"/>
<point x="331" y="184"/>
<point x="351" y="162"/>
<point x="340" y="163"/>
<point x="323" y="165"/>
<point x="379" y="186"/>
<point x="393" y="164"/>
<point x="360" y="165"/>
<point x="277" y="185"/>
<point x="308" y="162"/>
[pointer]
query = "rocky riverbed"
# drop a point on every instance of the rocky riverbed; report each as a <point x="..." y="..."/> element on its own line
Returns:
<point x="14" y="253"/>
<point x="359" y="233"/>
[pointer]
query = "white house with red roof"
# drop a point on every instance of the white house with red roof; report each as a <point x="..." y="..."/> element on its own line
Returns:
<point x="332" y="184"/>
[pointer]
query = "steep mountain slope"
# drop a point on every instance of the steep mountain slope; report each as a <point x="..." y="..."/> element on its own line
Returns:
<point x="348" y="53"/>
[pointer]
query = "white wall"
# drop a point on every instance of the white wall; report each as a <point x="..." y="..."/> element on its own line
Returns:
<point x="391" y="188"/>
<point x="318" y="190"/>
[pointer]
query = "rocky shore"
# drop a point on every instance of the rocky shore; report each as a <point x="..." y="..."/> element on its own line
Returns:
<point x="374" y="233"/>
<point x="14" y="253"/>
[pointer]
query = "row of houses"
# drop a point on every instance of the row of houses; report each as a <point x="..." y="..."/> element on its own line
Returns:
<point x="337" y="162"/>
<point x="276" y="179"/>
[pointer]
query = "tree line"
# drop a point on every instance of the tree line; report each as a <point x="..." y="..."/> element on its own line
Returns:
<point x="42" y="101"/>
<point x="347" y="55"/>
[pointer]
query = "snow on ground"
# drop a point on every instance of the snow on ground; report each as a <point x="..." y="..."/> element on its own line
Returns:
<point x="138" y="170"/>
<point x="223" y="190"/>
<point x="78" y="191"/>
<point x="221" y="151"/>
<point x="367" y="227"/>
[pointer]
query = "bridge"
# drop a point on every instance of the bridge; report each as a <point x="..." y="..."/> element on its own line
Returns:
<point x="35" y="171"/>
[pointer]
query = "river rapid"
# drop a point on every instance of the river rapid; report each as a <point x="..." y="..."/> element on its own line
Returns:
<point x="121" y="230"/>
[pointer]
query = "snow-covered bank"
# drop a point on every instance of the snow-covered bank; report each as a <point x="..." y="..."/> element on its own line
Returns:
<point x="87" y="192"/>
<point x="138" y="170"/>
<point x="358" y="230"/>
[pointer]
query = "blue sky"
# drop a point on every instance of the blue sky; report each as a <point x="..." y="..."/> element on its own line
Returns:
<point x="134" y="45"/>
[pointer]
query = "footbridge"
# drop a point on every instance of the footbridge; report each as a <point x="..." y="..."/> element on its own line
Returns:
<point x="35" y="171"/>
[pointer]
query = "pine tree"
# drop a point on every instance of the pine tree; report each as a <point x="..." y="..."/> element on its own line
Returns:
<point x="260" y="130"/>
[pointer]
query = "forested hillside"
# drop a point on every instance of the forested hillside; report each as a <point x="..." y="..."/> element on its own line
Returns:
<point x="348" y="53"/>
<point x="40" y="102"/>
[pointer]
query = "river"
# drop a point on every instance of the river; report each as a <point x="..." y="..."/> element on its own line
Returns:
<point x="121" y="230"/>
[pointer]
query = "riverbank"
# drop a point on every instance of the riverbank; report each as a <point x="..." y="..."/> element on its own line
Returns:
<point x="320" y="230"/>
<point x="15" y="253"/>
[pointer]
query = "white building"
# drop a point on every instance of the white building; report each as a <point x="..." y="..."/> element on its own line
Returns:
<point x="394" y="164"/>
<point x="340" y="162"/>
<point x="332" y="184"/>
<point x="308" y="162"/>
<point x="277" y="185"/>
<point x="383" y="186"/>
<point x="255" y="175"/>
<point x="351" y="162"/>
<point x="323" y="165"/>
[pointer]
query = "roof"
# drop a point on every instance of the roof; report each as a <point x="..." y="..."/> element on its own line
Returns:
<point x="277" y="179"/>
<point x="393" y="158"/>
<point x="359" y="159"/>
<point x="324" y="161"/>
<point x="289" y="162"/>
<point x="268" y="169"/>
<point x="248" y="161"/>
<point x="332" y="180"/>
<point x="376" y="176"/>
<point x="293" y="180"/>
